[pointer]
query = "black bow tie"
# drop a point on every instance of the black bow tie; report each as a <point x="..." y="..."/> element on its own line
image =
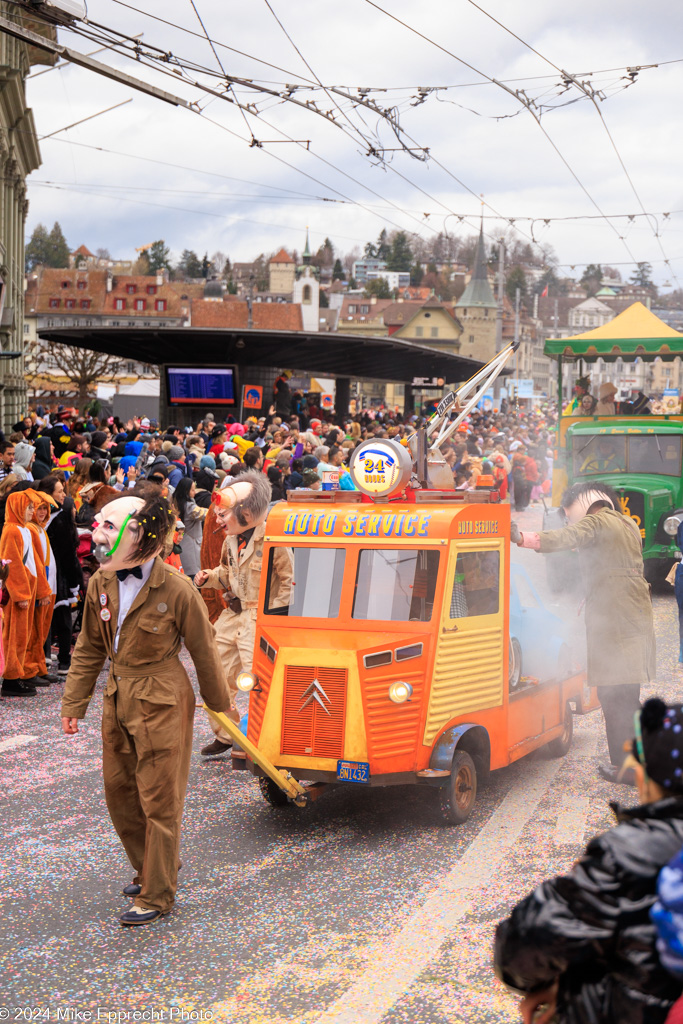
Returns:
<point x="123" y="574"/>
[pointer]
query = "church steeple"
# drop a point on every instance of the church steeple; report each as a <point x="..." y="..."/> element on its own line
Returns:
<point x="478" y="291"/>
<point x="306" y="257"/>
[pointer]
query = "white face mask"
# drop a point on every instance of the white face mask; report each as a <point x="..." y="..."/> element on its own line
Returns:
<point x="579" y="508"/>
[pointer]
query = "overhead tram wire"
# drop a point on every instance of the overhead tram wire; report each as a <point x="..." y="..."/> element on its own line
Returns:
<point x="515" y="95"/>
<point x="590" y="94"/>
<point x="198" y="85"/>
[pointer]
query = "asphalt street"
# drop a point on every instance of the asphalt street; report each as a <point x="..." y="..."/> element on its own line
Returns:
<point x="360" y="909"/>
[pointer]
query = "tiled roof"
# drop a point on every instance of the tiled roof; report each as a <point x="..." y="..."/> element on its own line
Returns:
<point x="62" y="285"/>
<point x="83" y="251"/>
<point x="281" y="257"/>
<point x="266" y="316"/>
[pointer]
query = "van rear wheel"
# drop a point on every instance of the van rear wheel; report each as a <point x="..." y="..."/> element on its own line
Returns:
<point x="560" y="746"/>
<point x="457" y="796"/>
<point x="272" y="793"/>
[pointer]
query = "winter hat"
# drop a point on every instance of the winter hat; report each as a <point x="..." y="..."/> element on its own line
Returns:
<point x="23" y="453"/>
<point x="607" y="390"/>
<point x="144" y="422"/>
<point x="310" y="462"/>
<point x="166" y="446"/>
<point x="99" y="438"/>
<point x="659" y="747"/>
<point x="207" y="462"/>
<point x="175" y="452"/>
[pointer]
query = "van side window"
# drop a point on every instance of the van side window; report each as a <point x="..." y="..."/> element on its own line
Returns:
<point x="476" y="586"/>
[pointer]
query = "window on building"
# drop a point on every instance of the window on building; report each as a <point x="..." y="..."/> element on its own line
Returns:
<point x="85" y="303"/>
<point x="471" y="339"/>
<point x="54" y="303"/>
<point x="486" y="312"/>
<point x="434" y="332"/>
<point x="116" y="323"/>
<point x="119" y="303"/>
<point x="352" y="309"/>
<point x="70" y="303"/>
<point x="306" y="295"/>
<point x="464" y="312"/>
<point x="65" y="284"/>
<point x="160" y="305"/>
<point x="82" y="285"/>
<point x="131" y="289"/>
<point x="26" y="328"/>
<point x="151" y="289"/>
<point x="365" y="309"/>
<point x="130" y="367"/>
<point x="50" y="323"/>
<point x="88" y="323"/>
<point x="419" y="331"/>
<point x="140" y="305"/>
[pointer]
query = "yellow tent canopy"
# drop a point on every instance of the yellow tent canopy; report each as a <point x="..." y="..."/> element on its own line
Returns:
<point x="635" y="333"/>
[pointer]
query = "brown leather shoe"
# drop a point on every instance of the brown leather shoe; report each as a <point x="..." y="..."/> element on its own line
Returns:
<point x="217" y="747"/>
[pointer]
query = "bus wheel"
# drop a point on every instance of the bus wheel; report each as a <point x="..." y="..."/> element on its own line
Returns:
<point x="272" y="793"/>
<point x="560" y="746"/>
<point x="460" y="791"/>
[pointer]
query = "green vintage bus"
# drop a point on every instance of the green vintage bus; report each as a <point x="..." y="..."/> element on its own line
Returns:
<point x="640" y="456"/>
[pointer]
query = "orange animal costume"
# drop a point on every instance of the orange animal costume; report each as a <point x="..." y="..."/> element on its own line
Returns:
<point x="16" y="543"/>
<point x="34" y="663"/>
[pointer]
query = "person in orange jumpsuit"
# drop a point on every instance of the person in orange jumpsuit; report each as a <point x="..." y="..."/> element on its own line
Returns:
<point x="16" y="545"/>
<point x="46" y="589"/>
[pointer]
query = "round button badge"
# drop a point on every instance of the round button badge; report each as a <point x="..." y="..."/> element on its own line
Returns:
<point x="105" y="615"/>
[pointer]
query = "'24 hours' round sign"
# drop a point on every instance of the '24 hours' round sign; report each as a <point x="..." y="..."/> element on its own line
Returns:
<point x="380" y="468"/>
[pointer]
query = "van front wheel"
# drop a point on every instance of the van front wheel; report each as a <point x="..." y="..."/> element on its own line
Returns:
<point x="272" y="793"/>
<point x="457" y="796"/>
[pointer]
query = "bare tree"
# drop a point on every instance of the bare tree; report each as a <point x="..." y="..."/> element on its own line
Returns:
<point x="83" y="369"/>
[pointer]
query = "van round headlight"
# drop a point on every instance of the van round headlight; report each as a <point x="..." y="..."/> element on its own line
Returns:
<point x="400" y="692"/>
<point x="671" y="525"/>
<point x="245" y="682"/>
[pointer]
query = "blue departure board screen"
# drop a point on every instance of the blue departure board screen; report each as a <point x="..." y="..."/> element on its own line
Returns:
<point x="200" y="385"/>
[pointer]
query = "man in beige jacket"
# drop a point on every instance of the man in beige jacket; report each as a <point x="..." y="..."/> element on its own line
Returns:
<point x="137" y="611"/>
<point x="241" y="509"/>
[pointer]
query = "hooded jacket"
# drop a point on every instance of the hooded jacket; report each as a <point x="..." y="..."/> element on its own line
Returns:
<point x="43" y="462"/>
<point x="23" y="453"/>
<point x="591" y="929"/>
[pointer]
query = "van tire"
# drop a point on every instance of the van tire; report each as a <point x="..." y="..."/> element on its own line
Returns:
<point x="272" y="793"/>
<point x="458" y="795"/>
<point x="560" y="746"/>
<point x="515" y="664"/>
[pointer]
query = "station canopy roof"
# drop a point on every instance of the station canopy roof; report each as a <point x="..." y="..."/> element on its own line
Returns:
<point x="634" y="334"/>
<point x="324" y="354"/>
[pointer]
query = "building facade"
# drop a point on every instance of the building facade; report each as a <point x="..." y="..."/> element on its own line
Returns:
<point x="476" y="310"/>
<point x="19" y="155"/>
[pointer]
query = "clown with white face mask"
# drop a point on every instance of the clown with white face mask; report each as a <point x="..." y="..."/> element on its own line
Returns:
<point x="241" y="510"/>
<point x="137" y="612"/>
<point x="619" y="627"/>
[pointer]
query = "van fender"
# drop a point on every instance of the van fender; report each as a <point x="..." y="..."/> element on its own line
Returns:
<point x="465" y="736"/>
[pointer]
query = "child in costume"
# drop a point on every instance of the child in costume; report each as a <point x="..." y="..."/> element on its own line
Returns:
<point x="137" y="612"/>
<point x="44" y="504"/>
<point x="16" y="545"/>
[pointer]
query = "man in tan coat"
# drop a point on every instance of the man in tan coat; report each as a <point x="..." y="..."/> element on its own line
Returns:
<point x="241" y="509"/>
<point x="620" y="639"/>
<point x="137" y="612"/>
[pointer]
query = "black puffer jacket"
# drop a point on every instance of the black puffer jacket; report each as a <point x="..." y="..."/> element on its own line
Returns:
<point x="591" y="929"/>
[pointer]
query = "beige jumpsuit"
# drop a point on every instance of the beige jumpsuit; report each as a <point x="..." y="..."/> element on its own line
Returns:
<point x="239" y="573"/>
<point x="148" y="713"/>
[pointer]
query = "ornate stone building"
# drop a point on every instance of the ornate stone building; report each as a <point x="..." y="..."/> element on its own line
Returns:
<point x="19" y="155"/>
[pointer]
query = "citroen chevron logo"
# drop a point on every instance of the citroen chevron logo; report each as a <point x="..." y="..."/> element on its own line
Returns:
<point x="313" y="693"/>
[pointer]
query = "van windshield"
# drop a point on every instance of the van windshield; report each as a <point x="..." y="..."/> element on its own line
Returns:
<point x="395" y="585"/>
<point x="316" y="582"/>
<point x="598" y="454"/>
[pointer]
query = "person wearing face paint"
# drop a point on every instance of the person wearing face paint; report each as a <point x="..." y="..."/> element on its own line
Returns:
<point x="620" y="638"/>
<point x="16" y="544"/>
<point x="241" y="510"/>
<point x="137" y="612"/>
<point x="46" y="589"/>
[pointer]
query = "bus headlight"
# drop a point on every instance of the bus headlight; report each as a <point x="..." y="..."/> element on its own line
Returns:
<point x="671" y="525"/>
<point x="245" y="682"/>
<point x="400" y="692"/>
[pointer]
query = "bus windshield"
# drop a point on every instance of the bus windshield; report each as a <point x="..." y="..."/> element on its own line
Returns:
<point x="395" y="585"/>
<point x="598" y="454"/>
<point x="316" y="584"/>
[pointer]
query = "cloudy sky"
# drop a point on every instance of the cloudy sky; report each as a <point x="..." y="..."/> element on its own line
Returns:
<point x="148" y="170"/>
